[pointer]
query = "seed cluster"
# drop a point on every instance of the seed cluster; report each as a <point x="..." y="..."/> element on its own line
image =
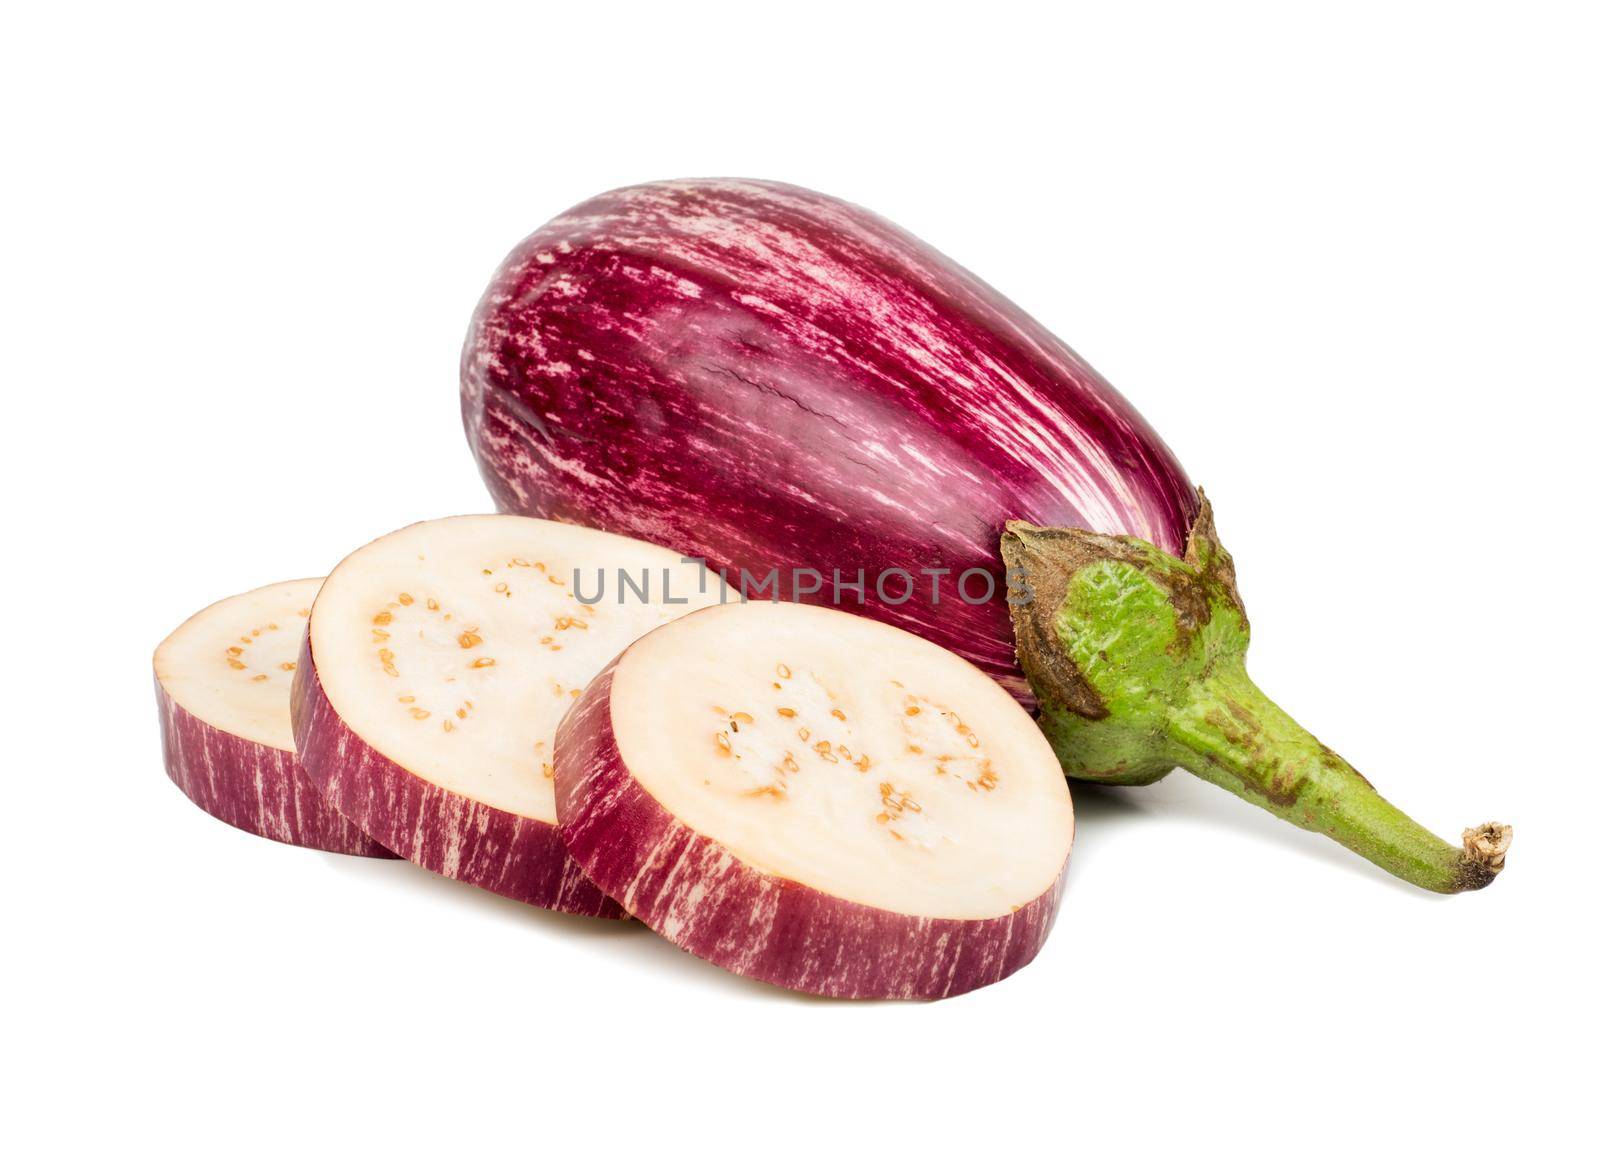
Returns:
<point x="383" y="628"/>
<point x="895" y="804"/>
<point x="504" y="583"/>
<point x="976" y="772"/>
<point x="237" y="655"/>
<point x="503" y="588"/>
<point x="565" y="623"/>
<point x="826" y="750"/>
<point x="930" y="731"/>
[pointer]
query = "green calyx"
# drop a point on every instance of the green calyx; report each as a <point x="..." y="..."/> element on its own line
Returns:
<point x="1137" y="658"/>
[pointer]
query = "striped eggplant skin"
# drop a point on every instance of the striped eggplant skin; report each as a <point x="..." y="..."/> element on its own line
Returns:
<point x="702" y="897"/>
<point x="249" y="785"/>
<point x="505" y="853"/>
<point x="770" y="377"/>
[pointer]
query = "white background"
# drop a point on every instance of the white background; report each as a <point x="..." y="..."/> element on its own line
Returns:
<point x="1344" y="261"/>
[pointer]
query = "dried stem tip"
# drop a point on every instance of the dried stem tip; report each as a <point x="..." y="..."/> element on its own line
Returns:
<point x="1487" y="845"/>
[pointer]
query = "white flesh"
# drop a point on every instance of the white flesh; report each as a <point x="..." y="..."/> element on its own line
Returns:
<point x="867" y="763"/>
<point x="453" y="647"/>
<point x="231" y="664"/>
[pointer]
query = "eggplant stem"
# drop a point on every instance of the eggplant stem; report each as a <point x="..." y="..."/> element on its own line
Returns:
<point x="1138" y="660"/>
<point x="1231" y="734"/>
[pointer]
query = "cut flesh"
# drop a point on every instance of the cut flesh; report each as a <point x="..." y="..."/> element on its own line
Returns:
<point x="439" y="660"/>
<point x="222" y="689"/>
<point x="818" y="800"/>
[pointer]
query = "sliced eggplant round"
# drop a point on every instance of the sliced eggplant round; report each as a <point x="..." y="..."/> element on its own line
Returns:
<point x="439" y="660"/>
<point x="817" y="800"/>
<point x="222" y="690"/>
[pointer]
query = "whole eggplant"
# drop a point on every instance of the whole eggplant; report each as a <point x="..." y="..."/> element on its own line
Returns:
<point x="776" y="380"/>
<point x="769" y="377"/>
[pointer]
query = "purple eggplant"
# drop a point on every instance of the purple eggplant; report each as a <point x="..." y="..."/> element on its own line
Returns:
<point x="826" y="409"/>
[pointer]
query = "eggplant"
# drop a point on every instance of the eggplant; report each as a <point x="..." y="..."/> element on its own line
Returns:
<point x="823" y="408"/>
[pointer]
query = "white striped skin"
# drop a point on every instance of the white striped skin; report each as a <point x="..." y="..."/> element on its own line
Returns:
<point x="766" y="376"/>
<point x="254" y="787"/>
<point x="222" y="690"/>
<point x="506" y="853"/>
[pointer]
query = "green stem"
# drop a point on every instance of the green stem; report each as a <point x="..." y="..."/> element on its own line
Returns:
<point x="1233" y="735"/>
<point x="1137" y="658"/>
